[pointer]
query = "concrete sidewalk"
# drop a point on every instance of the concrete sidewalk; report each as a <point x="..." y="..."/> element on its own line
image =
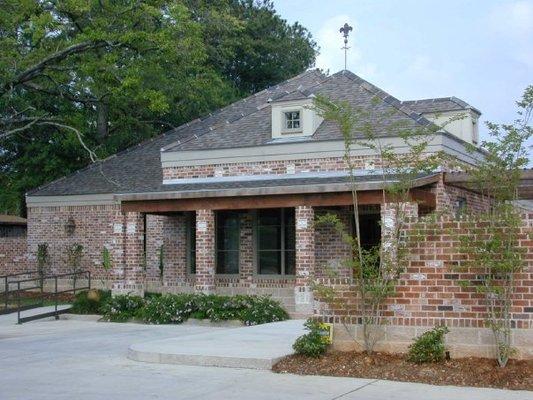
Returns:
<point x="11" y="318"/>
<point x="255" y="347"/>
<point x="85" y="360"/>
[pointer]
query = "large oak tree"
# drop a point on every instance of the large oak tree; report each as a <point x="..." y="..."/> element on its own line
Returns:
<point x="82" y="79"/>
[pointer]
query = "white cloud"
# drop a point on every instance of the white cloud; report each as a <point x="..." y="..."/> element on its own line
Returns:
<point x="331" y="55"/>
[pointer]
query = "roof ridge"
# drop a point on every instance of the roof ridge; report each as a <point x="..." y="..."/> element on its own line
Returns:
<point x="385" y="97"/>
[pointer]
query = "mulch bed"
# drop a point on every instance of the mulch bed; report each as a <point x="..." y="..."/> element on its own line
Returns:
<point x="480" y="372"/>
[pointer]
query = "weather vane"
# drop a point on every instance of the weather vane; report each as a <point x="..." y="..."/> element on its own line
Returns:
<point x="345" y="30"/>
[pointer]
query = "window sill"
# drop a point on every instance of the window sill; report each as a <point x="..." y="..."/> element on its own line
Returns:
<point x="267" y="277"/>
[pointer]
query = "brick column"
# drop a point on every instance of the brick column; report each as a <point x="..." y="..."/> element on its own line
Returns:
<point x="390" y="215"/>
<point x="305" y="260"/>
<point x="132" y="255"/>
<point x="205" y="251"/>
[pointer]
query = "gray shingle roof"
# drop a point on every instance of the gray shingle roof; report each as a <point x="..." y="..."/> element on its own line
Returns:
<point x="255" y="129"/>
<point x="441" y="104"/>
<point x="244" y="123"/>
<point x="138" y="169"/>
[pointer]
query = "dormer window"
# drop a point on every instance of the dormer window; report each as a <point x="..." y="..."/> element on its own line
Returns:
<point x="292" y="120"/>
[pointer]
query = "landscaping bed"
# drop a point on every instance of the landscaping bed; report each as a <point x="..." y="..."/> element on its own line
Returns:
<point x="178" y="308"/>
<point x="478" y="372"/>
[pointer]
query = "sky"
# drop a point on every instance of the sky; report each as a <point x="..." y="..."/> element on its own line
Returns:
<point x="478" y="50"/>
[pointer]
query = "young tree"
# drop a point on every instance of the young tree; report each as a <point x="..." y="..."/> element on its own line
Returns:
<point x="376" y="270"/>
<point x="491" y="244"/>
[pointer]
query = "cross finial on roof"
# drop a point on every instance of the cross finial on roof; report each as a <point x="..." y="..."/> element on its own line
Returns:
<point x="345" y="30"/>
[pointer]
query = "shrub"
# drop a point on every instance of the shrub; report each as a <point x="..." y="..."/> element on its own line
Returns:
<point x="167" y="309"/>
<point x="217" y="308"/>
<point x="260" y="310"/>
<point x="428" y="347"/>
<point x="90" y="302"/>
<point x="122" y="308"/>
<point x="176" y="308"/>
<point x="314" y="343"/>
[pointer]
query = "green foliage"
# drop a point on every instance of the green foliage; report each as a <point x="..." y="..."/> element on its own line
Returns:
<point x="176" y="308"/>
<point x="313" y="343"/>
<point x="219" y="308"/>
<point x="167" y="309"/>
<point x="429" y="347"/>
<point x="43" y="259"/>
<point x="112" y="74"/>
<point x="262" y="310"/>
<point x="491" y="240"/>
<point x="376" y="269"/>
<point x="122" y="308"/>
<point x="74" y="257"/>
<point x="90" y="302"/>
<point x="107" y="264"/>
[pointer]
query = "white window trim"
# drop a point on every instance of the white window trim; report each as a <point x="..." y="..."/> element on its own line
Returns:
<point x="288" y="131"/>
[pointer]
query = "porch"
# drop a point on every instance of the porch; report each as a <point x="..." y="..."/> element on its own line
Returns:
<point x="244" y="242"/>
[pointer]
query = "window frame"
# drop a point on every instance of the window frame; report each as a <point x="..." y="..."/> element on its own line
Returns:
<point x="287" y="130"/>
<point x="283" y="275"/>
<point x="190" y="234"/>
<point x="237" y="215"/>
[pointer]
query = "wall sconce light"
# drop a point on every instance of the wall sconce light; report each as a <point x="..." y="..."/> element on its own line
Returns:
<point x="70" y="226"/>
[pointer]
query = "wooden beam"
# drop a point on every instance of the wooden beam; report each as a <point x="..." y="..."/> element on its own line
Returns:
<point x="253" y="202"/>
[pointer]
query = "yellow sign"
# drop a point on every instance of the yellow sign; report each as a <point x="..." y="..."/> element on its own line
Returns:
<point x="327" y="330"/>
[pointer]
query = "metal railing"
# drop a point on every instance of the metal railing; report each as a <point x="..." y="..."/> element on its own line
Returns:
<point x="37" y="283"/>
<point x="6" y="292"/>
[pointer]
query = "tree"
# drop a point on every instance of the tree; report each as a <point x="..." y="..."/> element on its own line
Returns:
<point x="376" y="269"/>
<point x="250" y="44"/>
<point x="80" y="80"/>
<point x="491" y="243"/>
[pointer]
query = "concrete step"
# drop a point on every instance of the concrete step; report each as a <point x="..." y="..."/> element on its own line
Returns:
<point x="255" y="347"/>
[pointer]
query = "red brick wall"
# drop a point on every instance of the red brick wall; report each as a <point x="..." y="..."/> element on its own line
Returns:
<point x="447" y="199"/>
<point x="330" y="249"/>
<point x="95" y="227"/>
<point x="13" y="255"/>
<point x="428" y="292"/>
<point x="268" y="167"/>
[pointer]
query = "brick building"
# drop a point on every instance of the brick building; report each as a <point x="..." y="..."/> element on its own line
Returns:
<point x="13" y="244"/>
<point x="227" y="204"/>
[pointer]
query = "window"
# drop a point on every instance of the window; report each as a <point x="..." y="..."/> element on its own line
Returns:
<point x="460" y="207"/>
<point x="227" y="242"/>
<point x="276" y="239"/>
<point x="191" y="242"/>
<point x="292" y="120"/>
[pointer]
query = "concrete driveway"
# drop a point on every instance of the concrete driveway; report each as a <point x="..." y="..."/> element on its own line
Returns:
<point x="78" y="360"/>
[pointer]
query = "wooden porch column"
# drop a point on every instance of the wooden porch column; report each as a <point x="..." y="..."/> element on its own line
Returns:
<point x="305" y="260"/>
<point x="205" y="251"/>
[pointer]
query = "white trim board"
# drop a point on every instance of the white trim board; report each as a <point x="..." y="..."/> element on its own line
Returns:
<point x="306" y="150"/>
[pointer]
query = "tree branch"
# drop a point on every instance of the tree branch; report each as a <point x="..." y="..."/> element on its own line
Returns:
<point x="37" y="69"/>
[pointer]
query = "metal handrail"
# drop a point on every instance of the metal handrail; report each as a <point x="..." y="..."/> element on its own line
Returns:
<point x="6" y="278"/>
<point x="19" y="273"/>
<point x="41" y="280"/>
